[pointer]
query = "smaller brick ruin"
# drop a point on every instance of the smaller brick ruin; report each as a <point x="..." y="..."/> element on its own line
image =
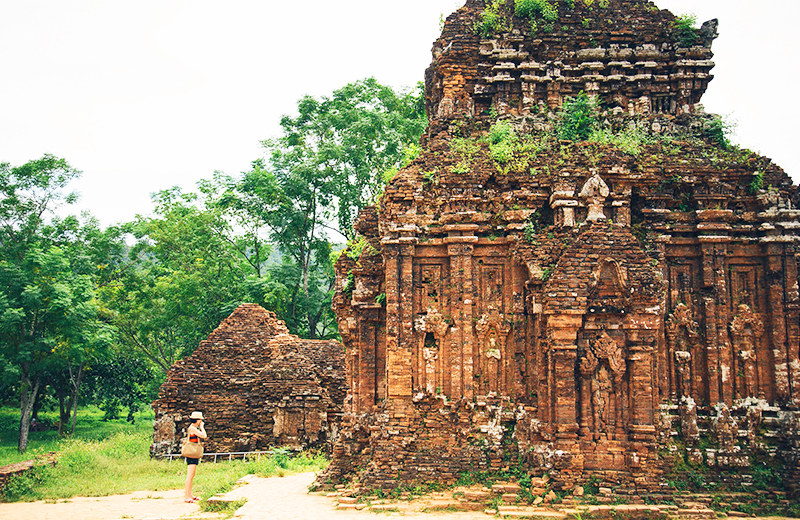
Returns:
<point x="257" y="385"/>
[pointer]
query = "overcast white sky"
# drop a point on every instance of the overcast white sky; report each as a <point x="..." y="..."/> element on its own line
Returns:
<point x="145" y="95"/>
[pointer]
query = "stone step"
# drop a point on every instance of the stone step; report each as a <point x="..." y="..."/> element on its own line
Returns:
<point x="383" y="507"/>
<point x="477" y="496"/>
<point x="500" y="489"/>
<point x="342" y="507"/>
<point x="454" y="505"/>
<point x="348" y="500"/>
<point x="693" y="514"/>
<point x="526" y="514"/>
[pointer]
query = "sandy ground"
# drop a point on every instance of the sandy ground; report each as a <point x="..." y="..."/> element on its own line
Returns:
<point x="277" y="498"/>
<point x="140" y="505"/>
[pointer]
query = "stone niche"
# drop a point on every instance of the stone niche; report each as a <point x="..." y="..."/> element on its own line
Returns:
<point x="588" y="311"/>
<point x="257" y="385"/>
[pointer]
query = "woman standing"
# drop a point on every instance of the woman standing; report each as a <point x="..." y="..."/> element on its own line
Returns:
<point x="196" y="432"/>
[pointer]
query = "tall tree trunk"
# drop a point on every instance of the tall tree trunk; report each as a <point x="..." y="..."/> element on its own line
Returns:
<point x="29" y="391"/>
<point x="75" y="379"/>
<point x="63" y="411"/>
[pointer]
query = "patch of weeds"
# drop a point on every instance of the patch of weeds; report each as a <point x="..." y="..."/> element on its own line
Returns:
<point x="358" y="246"/>
<point x="381" y="299"/>
<point x="224" y="507"/>
<point x="503" y="140"/>
<point x="631" y="140"/>
<point x="577" y="118"/>
<point x="592" y="487"/>
<point x="492" y="20"/>
<point x="349" y="283"/>
<point x="510" y="151"/>
<point x="430" y="178"/>
<point x="465" y="150"/>
<point x="757" y="184"/>
<point x="541" y="13"/>
<point x="717" y="130"/>
<point x="683" y="30"/>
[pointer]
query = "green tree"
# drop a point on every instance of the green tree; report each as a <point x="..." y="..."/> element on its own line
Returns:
<point x="182" y="279"/>
<point x="48" y="268"/>
<point x="48" y="318"/>
<point x="327" y="165"/>
<point x="333" y="153"/>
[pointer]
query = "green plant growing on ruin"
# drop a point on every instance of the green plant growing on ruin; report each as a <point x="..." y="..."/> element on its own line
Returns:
<point x="717" y="130"/>
<point x="492" y="20"/>
<point x="630" y="141"/>
<point x="683" y="30"/>
<point x="465" y="150"/>
<point x="430" y="177"/>
<point x="577" y="118"/>
<point x="355" y="247"/>
<point x="503" y="140"/>
<point x="540" y="13"/>
<point x="381" y="299"/>
<point x="757" y="184"/>
<point x="349" y="283"/>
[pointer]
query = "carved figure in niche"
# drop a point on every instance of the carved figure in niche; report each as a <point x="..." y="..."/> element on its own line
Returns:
<point x="746" y="332"/>
<point x="602" y="370"/>
<point x="595" y="192"/>
<point x="492" y="330"/>
<point x="683" y="364"/>
<point x="725" y="428"/>
<point x="682" y="339"/>
<point x="433" y="328"/>
<point x="601" y="393"/>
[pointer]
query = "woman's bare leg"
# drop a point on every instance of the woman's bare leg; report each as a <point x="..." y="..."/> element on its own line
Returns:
<point x="191" y="469"/>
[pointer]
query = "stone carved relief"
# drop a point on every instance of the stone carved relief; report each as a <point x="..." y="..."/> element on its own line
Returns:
<point x="431" y="326"/>
<point x="682" y="339"/>
<point x="492" y="329"/>
<point x="602" y="370"/>
<point x="746" y="332"/>
<point x="595" y="192"/>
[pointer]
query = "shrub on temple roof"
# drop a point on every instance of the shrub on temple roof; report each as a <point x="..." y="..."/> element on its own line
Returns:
<point x="684" y="31"/>
<point x="492" y="20"/>
<point x="532" y="9"/>
<point x="577" y="118"/>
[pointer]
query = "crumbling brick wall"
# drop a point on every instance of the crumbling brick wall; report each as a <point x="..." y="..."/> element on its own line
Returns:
<point x="586" y="308"/>
<point x="257" y="385"/>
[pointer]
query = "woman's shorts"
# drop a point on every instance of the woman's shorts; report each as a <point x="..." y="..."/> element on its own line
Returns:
<point x="189" y="461"/>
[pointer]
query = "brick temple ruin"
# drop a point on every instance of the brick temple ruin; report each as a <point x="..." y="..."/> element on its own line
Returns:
<point x="578" y="309"/>
<point x="257" y="385"/>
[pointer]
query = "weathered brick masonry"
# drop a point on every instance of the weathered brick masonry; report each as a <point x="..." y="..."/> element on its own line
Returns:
<point x="257" y="385"/>
<point x="587" y="310"/>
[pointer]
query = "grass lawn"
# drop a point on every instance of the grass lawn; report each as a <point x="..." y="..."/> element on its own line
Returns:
<point x="110" y="458"/>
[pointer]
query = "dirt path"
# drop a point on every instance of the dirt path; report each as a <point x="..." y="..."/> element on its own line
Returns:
<point x="287" y="498"/>
<point x="277" y="498"/>
<point x="141" y="505"/>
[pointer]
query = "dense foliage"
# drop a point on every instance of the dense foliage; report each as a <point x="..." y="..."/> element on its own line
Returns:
<point x="99" y="315"/>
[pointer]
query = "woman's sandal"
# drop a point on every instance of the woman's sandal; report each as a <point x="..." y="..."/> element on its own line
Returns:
<point x="191" y="500"/>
